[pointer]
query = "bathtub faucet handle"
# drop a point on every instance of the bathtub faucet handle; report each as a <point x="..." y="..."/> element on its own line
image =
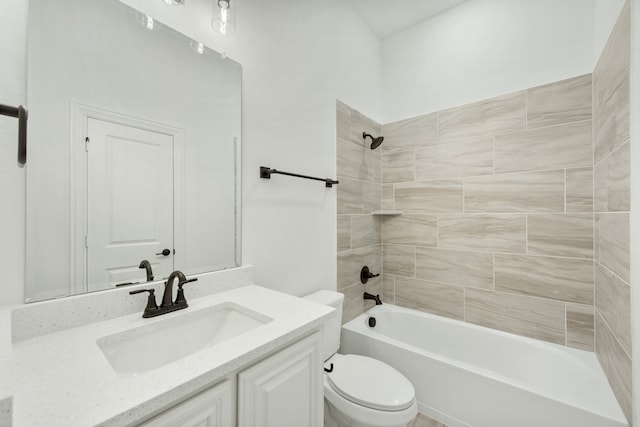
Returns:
<point x="366" y="274"/>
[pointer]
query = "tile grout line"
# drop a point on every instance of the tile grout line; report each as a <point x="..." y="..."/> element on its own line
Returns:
<point x="464" y="303"/>
<point x="458" y="285"/>
<point x="488" y="252"/>
<point x="526" y="234"/>
<point x="464" y="210"/>
<point x="610" y="153"/>
<point x="615" y="337"/>
<point x="487" y="175"/>
<point x="493" y="153"/>
<point x="594" y="301"/>
<point x="566" y="328"/>
<point x="593" y="201"/>
<point x="610" y="272"/>
<point x="555" y="125"/>
<point x="526" y="109"/>
<point x="616" y="148"/>
<point x="593" y="205"/>
<point x="493" y="267"/>
<point x="565" y="190"/>
<point x="531" y="296"/>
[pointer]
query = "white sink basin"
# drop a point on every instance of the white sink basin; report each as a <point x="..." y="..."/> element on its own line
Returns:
<point x="145" y="348"/>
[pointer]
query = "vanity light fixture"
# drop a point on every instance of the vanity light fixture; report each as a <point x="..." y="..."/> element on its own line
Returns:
<point x="224" y="17"/>
<point x="198" y="47"/>
<point x="147" y="21"/>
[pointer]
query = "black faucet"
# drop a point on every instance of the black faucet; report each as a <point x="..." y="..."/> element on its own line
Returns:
<point x="180" y="301"/>
<point x="147" y="266"/>
<point x="376" y="298"/>
<point x="167" y="305"/>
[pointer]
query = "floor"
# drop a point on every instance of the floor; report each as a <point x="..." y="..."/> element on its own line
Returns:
<point x="424" y="421"/>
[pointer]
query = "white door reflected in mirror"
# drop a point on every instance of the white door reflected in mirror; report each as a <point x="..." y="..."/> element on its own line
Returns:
<point x="130" y="203"/>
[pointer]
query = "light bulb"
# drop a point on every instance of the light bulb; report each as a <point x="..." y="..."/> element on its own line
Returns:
<point x="224" y="17"/>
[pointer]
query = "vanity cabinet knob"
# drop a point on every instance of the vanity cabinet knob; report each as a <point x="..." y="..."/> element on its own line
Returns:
<point x="165" y="252"/>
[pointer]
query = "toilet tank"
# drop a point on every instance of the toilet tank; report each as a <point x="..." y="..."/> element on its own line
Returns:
<point x="333" y="324"/>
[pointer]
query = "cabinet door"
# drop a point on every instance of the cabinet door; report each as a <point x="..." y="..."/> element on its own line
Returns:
<point x="211" y="408"/>
<point x="284" y="390"/>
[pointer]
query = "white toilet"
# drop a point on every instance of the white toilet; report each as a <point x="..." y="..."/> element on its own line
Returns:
<point x="360" y="391"/>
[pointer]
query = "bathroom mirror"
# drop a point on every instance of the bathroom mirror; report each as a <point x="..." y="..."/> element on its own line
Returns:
<point x="134" y="150"/>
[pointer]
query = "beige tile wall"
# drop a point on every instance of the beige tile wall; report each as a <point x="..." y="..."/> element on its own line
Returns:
<point x="515" y="212"/>
<point x="611" y="205"/>
<point x="497" y="200"/>
<point x="359" y="193"/>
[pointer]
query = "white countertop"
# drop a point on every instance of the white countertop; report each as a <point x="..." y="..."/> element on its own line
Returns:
<point x="63" y="379"/>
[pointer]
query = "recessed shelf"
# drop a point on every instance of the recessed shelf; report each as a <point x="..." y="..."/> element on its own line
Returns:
<point x="389" y="213"/>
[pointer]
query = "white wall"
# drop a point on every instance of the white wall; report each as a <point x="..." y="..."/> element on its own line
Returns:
<point x="298" y="56"/>
<point x="13" y="20"/>
<point x="605" y="17"/>
<point x="484" y="48"/>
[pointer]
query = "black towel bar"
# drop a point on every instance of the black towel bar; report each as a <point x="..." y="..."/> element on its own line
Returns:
<point x="20" y="112"/>
<point x="266" y="172"/>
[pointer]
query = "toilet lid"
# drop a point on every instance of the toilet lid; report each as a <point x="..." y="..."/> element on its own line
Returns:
<point x="371" y="383"/>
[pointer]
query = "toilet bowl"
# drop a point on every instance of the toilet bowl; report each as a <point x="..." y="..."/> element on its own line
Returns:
<point x="360" y="391"/>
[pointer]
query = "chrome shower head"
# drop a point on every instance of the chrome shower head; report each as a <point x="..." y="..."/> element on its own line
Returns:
<point x="375" y="142"/>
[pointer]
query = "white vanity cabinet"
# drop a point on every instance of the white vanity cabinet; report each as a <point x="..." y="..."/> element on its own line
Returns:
<point x="211" y="408"/>
<point x="285" y="389"/>
<point x="282" y="390"/>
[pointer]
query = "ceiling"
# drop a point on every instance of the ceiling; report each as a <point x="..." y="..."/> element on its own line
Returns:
<point x="388" y="17"/>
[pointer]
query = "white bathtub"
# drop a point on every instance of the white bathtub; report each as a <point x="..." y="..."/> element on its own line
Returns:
<point x="468" y="375"/>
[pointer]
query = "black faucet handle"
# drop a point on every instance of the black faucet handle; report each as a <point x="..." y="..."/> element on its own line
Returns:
<point x="152" y="305"/>
<point x="366" y="274"/>
<point x="180" y="299"/>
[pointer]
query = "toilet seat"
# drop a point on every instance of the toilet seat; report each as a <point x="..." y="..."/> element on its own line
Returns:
<point x="370" y="383"/>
